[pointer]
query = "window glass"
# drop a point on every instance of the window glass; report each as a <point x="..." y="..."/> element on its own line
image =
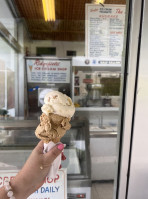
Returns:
<point x="41" y="51"/>
<point x="78" y="51"/>
<point x="7" y="80"/>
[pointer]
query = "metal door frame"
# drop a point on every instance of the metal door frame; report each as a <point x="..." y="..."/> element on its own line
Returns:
<point x="138" y="162"/>
<point x="129" y="89"/>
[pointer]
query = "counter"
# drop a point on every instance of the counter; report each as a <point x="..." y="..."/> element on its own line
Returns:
<point x="103" y="152"/>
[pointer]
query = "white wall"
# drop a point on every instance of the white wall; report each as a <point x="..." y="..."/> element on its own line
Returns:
<point x="61" y="47"/>
<point x="6" y="18"/>
<point x="4" y="10"/>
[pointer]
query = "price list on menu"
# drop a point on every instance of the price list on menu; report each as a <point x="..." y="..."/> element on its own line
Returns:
<point x="104" y="31"/>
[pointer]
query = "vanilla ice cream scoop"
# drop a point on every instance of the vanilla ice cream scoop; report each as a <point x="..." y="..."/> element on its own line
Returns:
<point x="58" y="103"/>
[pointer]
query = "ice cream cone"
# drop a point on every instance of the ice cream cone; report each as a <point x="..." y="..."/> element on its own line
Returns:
<point x="54" y="121"/>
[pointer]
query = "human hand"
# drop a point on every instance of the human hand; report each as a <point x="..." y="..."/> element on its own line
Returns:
<point x="35" y="170"/>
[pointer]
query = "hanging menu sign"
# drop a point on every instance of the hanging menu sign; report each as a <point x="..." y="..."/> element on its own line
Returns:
<point x="46" y="70"/>
<point x="104" y="30"/>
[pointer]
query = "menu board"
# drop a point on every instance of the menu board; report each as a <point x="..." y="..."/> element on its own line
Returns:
<point x="47" y="70"/>
<point x="104" y="30"/>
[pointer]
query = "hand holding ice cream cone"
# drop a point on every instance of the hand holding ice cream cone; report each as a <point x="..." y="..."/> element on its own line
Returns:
<point x="54" y="122"/>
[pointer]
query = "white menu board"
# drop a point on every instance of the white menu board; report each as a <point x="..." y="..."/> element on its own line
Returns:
<point x="104" y="30"/>
<point x="51" y="189"/>
<point x="46" y="70"/>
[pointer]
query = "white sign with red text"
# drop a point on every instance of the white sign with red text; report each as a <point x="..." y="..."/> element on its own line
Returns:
<point x="48" y="71"/>
<point x="51" y="189"/>
<point x="104" y="30"/>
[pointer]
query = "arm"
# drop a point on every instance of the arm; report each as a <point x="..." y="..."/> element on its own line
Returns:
<point x="34" y="172"/>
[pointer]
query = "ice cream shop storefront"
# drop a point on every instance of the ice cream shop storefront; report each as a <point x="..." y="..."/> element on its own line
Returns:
<point x="84" y="56"/>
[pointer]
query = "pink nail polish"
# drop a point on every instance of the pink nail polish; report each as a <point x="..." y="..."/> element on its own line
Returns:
<point x="60" y="147"/>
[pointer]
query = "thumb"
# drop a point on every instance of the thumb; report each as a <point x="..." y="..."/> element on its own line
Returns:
<point x="54" y="152"/>
<point x="39" y="148"/>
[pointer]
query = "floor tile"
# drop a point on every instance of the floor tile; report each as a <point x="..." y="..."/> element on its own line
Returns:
<point x="102" y="191"/>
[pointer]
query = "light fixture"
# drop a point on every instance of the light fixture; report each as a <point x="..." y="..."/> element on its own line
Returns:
<point x="98" y="1"/>
<point x="49" y="10"/>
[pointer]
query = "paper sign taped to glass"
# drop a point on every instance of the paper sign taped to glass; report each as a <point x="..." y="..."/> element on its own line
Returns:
<point x="53" y="188"/>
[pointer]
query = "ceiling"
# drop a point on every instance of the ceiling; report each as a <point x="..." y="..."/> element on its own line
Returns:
<point x="70" y="19"/>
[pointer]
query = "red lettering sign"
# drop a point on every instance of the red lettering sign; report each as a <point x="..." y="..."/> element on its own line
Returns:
<point x="119" y="11"/>
<point x="94" y="10"/>
<point x="47" y="63"/>
<point x="2" y="179"/>
<point x="51" y="180"/>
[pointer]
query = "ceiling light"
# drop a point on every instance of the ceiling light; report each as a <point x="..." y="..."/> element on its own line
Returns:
<point x="49" y="10"/>
<point x="98" y="1"/>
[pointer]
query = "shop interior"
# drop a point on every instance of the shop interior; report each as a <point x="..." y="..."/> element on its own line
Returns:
<point x="29" y="41"/>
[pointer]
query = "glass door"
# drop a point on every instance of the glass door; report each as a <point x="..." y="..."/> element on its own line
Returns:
<point x="99" y="39"/>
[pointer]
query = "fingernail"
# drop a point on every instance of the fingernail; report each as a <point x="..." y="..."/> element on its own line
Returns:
<point x="60" y="147"/>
